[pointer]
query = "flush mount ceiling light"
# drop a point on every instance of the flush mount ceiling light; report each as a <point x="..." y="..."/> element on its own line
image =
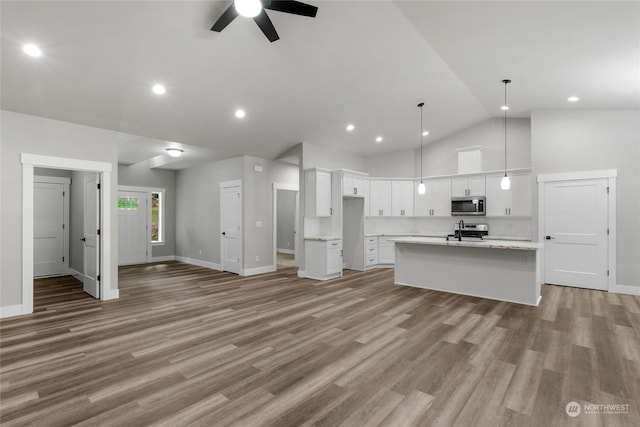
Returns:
<point x="421" y="188"/>
<point x="32" y="50"/>
<point x="505" y="183"/>
<point x="159" y="89"/>
<point x="174" y="152"/>
<point x="240" y="113"/>
<point x="379" y="139"/>
<point x="425" y="133"/>
<point x="573" y="99"/>
<point x="350" y="127"/>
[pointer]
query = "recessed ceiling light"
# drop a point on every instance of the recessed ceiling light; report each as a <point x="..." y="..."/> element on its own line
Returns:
<point x="159" y="89"/>
<point x="174" y="152"/>
<point x="573" y="99"/>
<point x="425" y="133"/>
<point x="350" y="127"/>
<point x="32" y="50"/>
<point x="504" y="107"/>
<point x="379" y="139"/>
<point x="240" y="113"/>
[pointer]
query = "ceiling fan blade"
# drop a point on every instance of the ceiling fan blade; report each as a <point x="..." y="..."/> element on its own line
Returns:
<point x="290" y="6"/>
<point x="229" y="15"/>
<point x="266" y="26"/>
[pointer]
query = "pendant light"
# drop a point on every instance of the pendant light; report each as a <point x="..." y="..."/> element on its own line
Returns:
<point x="505" y="183"/>
<point x="421" y="188"/>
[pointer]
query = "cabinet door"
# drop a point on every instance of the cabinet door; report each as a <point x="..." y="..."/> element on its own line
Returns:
<point x="459" y="186"/>
<point x="348" y="185"/>
<point x="367" y="196"/>
<point x="334" y="260"/>
<point x="421" y="202"/>
<point x="439" y="197"/>
<point x="386" y="252"/>
<point x="476" y="186"/>
<point x="323" y="194"/>
<point x="520" y="195"/>
<point x="380" y="198"/>
<point x="359" y="185"/>
<point x="497" y="203"/>
<point x="402" y="198"/>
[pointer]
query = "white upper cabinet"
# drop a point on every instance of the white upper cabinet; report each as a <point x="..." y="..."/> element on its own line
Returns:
<point x="473" y="185"/>
<point x="317" y="192"/>
<point x="513" y="202"/>
<point x="402" y="198"/>
<point x="354" y="185"/>
<point x="380" y="197"/>
<point x="437" y="199"/>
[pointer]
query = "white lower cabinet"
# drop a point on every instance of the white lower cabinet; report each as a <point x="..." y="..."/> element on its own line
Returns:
<point x="323" y="259"/>
<point x="370" y="251"/>
<point x="386" y="251"/>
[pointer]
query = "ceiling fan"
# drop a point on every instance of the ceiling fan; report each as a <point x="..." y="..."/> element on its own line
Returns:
<point x="256" y="9"/>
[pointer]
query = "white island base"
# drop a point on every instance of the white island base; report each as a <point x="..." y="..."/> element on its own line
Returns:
<point x="499" y="271"/>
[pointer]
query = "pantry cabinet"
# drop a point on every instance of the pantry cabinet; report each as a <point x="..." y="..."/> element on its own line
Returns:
<point x="317" y="183"/>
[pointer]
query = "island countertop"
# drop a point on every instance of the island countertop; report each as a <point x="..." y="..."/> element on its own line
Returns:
<point x="489" y="244"/>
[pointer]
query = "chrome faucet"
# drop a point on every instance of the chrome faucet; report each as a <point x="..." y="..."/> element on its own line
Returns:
<point x="460" y="227"/>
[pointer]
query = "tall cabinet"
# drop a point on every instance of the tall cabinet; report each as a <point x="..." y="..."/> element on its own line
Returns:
<point x="317" y="193"/>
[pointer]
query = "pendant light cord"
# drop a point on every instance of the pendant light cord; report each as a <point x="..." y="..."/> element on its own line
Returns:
<point x="421" y="138"/>
<point x="506" y="82"/>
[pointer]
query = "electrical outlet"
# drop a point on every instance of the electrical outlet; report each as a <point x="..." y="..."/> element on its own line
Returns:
<point x="257" y="258"/>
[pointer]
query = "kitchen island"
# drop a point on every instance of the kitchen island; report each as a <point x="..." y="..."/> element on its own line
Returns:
<point x="496" y="269"/>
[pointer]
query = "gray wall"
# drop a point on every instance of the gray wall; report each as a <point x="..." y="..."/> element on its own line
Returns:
<point x="286" y="220"/>
<point x="570" y="141"/>
<point x="441" y="157"/>
<point x="22" y="133"/>
<point x="140" y="175"/>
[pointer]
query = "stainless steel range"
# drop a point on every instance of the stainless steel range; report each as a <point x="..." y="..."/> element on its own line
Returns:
<point x="462" y="230"/>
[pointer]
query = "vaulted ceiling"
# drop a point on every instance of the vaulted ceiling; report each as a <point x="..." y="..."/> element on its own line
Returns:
<point x="363" y="62"/>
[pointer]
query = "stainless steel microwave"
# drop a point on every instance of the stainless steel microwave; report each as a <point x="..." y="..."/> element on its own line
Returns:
<point x="468" y="205"/>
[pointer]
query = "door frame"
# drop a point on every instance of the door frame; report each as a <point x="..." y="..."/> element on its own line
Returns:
<point x="228" y="184"/>
<point x="29" y="162"/>
<point x="296" y="188"/>
<point x="65" y="182"/>
<point x="611" y="176"/>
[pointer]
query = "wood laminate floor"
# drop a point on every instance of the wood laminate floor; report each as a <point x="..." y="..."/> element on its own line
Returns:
<point x="190" y="346"/>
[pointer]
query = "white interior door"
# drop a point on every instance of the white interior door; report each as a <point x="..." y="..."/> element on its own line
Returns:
<point x="133" y="214"/>
<point x="575" y="230"/>
<point x="91" y="237"/>
<point x="49" y="249"/>
<point x="231" y="228"/>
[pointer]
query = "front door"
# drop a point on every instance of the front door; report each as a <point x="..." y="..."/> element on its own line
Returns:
<point x="49" y="229"/>
<point x="231" y="227"/>
<point x="132" y="227"/>
<point x="575" y="230"/>
<point x="91" y="236"/>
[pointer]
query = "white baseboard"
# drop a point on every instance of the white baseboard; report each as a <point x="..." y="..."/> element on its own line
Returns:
<point x="626" y="289"/>
<point x="76" y="274"/>
<point x="11" y="311"/>
<point x="163" y="258"/>
<point x="199" y="263"/>
<point x="258" y="270"/>
<point x="111" y="294"/>
<point x="286" y="251"/>
<point x="302" y="274"/>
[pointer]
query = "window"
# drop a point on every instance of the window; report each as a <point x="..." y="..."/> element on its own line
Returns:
<point x="128" y="203"/>
<point x="157" y="225"/>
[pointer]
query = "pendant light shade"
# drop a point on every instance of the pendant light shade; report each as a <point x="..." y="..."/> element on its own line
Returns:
<point x="421" y="187"/>
<point x="505" y="184"/>
<point x="248" y="8"/>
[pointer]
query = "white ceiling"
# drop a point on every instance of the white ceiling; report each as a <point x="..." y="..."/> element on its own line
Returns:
<point x="364" y="62"/>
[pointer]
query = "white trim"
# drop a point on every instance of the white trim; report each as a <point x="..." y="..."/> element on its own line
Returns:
<point x="471" y="148"/>
<point x="64" y="163"/>
<point x="258" y="270"/>
<point x="163" y="258"/>
<point x="572" y="176"/>
<point x="29" y="161"/>
<point x="302" y="273"/>
<point x="626" y="289"/>
<point x="285" y="251"/>
<point x="110" y="294"/>
<point x="290" y="187"/>
<point x="11" y="311"/>
<point x="274" y="230"/>
<point x="610" y="175"/>
<point x="136" y="189"/>
<point x="199" y="263"/>
<point x="75" y="273"/>
<point x="52" y="179"/>
<point x="233" y="183"/>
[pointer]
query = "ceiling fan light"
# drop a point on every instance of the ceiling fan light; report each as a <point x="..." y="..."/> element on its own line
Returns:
<point x="174" y="152"/>
<point x="421" y="188"/>
<point x="505" y="184"/>
<point x="248" y="8"/>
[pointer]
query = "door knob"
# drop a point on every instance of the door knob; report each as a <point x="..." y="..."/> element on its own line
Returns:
<point x="84" y="239"/>
<point x="224" y="233"/>
<point x="549" y="237"/>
